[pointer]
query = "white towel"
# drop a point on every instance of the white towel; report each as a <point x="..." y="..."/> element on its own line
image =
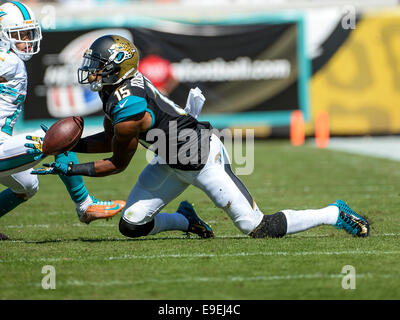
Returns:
<point x="194" y="102"/>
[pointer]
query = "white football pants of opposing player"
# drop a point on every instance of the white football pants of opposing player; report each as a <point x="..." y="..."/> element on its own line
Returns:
<point x="159" y="184"/>
<point x="16" y="165"/>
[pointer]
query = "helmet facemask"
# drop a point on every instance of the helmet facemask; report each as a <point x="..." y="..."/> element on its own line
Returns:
<point x="19" y="30"/>
<point x="98" y="67"/>
<point x="29" y="35"/>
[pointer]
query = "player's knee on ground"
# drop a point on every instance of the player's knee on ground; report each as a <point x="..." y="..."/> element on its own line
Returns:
<point x="133" y="231"/>
<point x="271" y="226"/>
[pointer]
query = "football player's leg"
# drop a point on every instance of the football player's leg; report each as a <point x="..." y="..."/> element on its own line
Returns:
<point x="229" y="193"/>
<point x="21" y="187"/>
<point x="15" y="170"/>
<point x="9" y="200"/>
<point x="88" y="208"/>
<point x="337" y="214"/>
<point x="74" y="184"/>
<point x="226" y="190"/>
<point x="156" y="187"/>
<point x="13" y="155"/>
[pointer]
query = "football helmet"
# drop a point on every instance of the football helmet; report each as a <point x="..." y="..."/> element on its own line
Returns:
<point x="19" y="25"/>
<point x="111" y="59"/>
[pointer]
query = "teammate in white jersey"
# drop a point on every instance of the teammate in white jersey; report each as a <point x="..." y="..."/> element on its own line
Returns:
<point x="20" y="36"/>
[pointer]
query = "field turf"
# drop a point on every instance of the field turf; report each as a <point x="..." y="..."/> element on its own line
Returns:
<point x="96" y="262"/>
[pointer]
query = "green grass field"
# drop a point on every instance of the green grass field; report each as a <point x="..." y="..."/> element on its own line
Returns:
<point x="97" y="262"/>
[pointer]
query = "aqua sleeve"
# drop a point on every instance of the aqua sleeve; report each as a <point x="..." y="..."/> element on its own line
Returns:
<point x="128" y="107"/>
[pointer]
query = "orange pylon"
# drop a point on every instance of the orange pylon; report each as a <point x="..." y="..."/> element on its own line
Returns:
<point x="322" y="129"/>
<point x="297" y="133"/>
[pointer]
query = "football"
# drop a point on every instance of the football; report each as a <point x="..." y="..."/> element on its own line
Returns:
<point x="63" y="135"/>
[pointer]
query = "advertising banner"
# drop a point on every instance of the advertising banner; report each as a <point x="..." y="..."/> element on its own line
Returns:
<point x="250" y="73"/>
<point x="359" y="85"/>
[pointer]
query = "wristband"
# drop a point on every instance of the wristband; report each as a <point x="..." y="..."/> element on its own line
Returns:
<point x="84" y="169"/>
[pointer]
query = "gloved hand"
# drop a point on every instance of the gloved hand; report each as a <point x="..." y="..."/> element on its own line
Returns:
<point x="54" y="168"/>
<point x="36" y="148"/>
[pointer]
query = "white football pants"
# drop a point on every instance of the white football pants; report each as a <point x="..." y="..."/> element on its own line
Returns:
<point x="16" y="165"/>
<point x="159" y="184"/>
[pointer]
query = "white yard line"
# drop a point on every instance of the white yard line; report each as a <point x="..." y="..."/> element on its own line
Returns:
<point x="79" y="283"/>
<point x="126" y="282"/>
<point x="54" y="225"/>
<point x="204" y="255"/>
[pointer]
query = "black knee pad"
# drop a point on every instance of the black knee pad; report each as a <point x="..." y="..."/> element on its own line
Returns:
<point x="134" y="231"/>
<point x="271" y="226"/>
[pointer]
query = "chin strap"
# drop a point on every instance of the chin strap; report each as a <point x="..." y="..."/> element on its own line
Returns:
<point x="125" y="75"/>
<point x="98" y="85"/>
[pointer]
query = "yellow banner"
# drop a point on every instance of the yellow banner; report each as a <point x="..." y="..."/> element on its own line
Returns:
<point x="360" y="84"/>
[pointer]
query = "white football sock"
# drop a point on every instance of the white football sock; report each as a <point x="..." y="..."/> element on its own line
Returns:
<point x="169" y="221"/>
<point x="82" y="206"/>
<point x="300" y="220"/>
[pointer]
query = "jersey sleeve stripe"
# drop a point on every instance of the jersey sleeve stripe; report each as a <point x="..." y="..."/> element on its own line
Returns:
<point x="7" y="90"/>
<point x="8" y="128"/>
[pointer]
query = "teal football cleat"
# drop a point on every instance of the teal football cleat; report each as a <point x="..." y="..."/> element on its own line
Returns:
<point x="350" y="221"/>
<point x="196" y="225"/>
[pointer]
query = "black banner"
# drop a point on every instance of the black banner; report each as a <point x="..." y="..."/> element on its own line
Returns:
<point x="239" y="68"/>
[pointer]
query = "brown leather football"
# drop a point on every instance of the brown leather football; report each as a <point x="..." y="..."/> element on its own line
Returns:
<point x="63" y="135"/>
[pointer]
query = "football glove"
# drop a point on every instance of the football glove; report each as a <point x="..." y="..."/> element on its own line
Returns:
<point x="37" y="147"/>
<point x="54" y="168"/>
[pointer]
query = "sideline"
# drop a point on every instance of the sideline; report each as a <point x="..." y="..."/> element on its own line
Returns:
<point x="387" y="147"/>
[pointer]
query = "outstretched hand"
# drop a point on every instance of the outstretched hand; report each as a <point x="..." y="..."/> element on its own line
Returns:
<point x="36" y="148"/>
<point x="53" y="168"/>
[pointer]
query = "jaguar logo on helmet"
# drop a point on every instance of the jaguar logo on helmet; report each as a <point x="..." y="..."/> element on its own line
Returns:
<point x="118" y="54"/>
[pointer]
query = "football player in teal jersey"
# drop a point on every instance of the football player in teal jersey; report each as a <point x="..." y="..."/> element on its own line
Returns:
<point x="188" y="152"/>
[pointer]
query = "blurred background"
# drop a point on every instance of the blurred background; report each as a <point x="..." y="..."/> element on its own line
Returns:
<point x="256" y="61"/>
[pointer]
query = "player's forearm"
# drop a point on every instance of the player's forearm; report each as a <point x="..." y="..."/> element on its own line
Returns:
<point x="108" y="167"/>
<point x="122" y="144"/>
<point x="99" y="168"/>
<point x="97" y="143"/>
